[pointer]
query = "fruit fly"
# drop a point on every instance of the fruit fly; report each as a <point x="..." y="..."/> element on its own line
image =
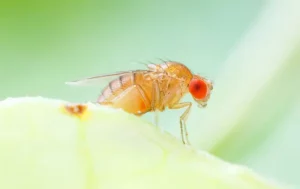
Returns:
<point x="154" y="89"/>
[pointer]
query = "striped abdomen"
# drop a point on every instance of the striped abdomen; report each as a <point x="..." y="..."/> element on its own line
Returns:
<point x="131" y="92"/>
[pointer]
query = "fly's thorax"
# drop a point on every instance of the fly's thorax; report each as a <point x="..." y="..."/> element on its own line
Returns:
<point x="172" y="69"/>
<point x="173" y="79"/>
<point x="173" y="92"/>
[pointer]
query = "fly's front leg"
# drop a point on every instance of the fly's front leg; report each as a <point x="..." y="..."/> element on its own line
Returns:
<point x="183" y="119"/>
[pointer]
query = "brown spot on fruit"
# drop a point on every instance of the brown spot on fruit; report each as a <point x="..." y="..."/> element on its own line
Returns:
<point x="78" y="110"/>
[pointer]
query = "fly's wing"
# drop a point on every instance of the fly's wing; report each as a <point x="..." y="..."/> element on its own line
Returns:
<point x="98" y="80"/>
<point x="106" y="78"/>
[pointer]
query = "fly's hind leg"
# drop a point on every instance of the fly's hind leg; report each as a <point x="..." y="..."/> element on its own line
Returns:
<point x="143" y="95"/>
<point x="155" y="101"/>
<point x="183" y="118"/>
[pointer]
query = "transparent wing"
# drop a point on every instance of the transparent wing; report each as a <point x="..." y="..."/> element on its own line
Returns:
<point x="100" y="79"/>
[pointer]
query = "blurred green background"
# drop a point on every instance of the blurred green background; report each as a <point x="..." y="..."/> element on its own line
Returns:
<point x="250" y="49"/>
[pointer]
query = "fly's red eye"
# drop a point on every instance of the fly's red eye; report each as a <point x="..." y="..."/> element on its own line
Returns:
<point x="198" y="88"/>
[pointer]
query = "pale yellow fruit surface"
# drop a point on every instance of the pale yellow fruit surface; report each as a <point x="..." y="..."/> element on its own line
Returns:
<point x="45" y="146"/>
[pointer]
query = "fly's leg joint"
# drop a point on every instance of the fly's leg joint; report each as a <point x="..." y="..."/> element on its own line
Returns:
<point x="183" y="118"/>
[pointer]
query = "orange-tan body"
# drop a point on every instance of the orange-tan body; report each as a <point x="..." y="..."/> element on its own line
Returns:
<point x="142" y="91"/>
<point x="161" y="86"/>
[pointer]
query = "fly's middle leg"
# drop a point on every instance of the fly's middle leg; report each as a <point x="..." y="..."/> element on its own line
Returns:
<point x="183" y="118"/>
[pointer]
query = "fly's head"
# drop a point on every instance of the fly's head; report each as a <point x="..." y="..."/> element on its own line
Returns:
<point x="200" y="88"/>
